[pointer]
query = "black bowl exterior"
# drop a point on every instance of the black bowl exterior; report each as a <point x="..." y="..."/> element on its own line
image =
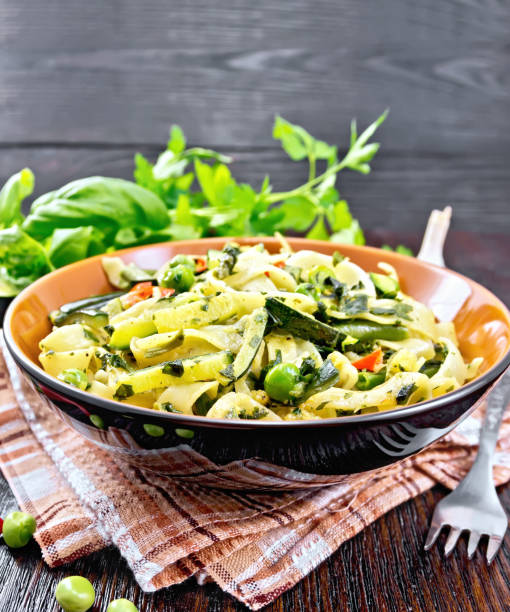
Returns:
<point x="254" y="459"/>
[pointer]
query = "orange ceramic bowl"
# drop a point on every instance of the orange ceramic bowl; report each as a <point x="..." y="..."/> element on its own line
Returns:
<point x="253" y="454"/>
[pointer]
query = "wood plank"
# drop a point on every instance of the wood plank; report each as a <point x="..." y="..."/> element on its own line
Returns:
<point x="397" y="196"/>
<point x="96" y="72"/>
<point x="383" y="568"/>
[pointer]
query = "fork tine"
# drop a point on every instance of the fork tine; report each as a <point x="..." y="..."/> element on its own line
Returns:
<point x="402" y="433"/>
<point x="474" y="538"/>
<point x="493" y="547"/>
<point x="434" y="531"/>
<point x="451" y="540"/>
<point x="392" y="443"/>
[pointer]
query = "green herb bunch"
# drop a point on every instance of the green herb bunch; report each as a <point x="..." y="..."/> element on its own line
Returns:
<point x="188" y="193"/>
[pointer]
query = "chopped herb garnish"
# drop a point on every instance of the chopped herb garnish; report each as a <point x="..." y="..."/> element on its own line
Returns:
<point x="255" y="414"/>
<point x="400" y="310"/>
<point x="168" y="407"/>
<point x="112" y="360"/>
<point x="124" y="391"/>
<point x="404" y="393"/>
<point x="175" y="368"/>
<point x="355" y="305"/>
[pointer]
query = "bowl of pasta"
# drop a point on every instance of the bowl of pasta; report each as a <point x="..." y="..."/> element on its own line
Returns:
<point x="259" y="363"/>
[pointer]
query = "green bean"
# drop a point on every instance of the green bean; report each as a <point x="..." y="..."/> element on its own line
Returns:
<point x="369" y="330"/>
<point x="369" y="380"/>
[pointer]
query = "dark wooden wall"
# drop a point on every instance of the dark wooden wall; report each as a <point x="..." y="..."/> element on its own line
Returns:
<point x="85" y="84"/>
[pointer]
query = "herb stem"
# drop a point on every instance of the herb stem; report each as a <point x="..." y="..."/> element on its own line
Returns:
<point x="283" y="195"/>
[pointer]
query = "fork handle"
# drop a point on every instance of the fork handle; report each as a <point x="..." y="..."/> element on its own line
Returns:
<point x="497" y="402"/>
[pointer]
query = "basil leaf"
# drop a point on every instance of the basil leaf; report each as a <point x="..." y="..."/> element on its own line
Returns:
<point x="108" y="204"/>
<point x="73" y="244"/>
<point x="22" y="261"/>
<point x="12" y="194"/>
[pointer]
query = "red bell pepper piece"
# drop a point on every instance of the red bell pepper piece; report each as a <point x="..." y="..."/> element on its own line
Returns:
<point x="166" y="291"/>
<point x="200" y="265"/>
<point x="369" y="362"/>
<point x="138" y="293"/>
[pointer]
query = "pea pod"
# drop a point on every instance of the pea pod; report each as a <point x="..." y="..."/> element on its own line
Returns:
<point x="369" y="330"/>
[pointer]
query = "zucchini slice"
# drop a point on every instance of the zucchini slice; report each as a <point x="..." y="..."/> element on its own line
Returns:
<point x="124" y="331"/>
<point x="252" y="339"/>
<point x="302" y="325"/>
<point x="207" y="311"/>
<point x="154" y="346"/>
<point x="197" y="369"/>
<point x="96" y="319"/>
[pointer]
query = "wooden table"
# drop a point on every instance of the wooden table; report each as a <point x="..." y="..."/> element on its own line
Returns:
<point x="383" y="568"/>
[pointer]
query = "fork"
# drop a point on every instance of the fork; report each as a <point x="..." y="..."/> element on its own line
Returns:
<point x="474" y="505"/>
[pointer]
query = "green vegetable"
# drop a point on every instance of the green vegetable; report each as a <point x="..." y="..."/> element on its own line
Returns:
<point x="399" y="310"/>
<point x="252" y="339"/>
<point x="369" y="330"/>
<point x="75" y="594"/>
<point x="127" y="329"/>
<point x="369" y="380"/>
<point x="300" y="324"/>
<point x="121" y="210"/>
<point x="430" y="367"/>
<point x="96" y="319"/>
<point x="309" y="289"/>
<point x="180" y="277"/>
<point x="75" y="377"/>
<point x="96" y="420"/>
<point x="187" y="193"/>
<point x="87" y="304"/>
<point x="385" y="285"/>
<point x="355" y="305"/>
<point x="12" y="194"/>
<point x="403" y="250"/>
<point x="405" y="393"/>
<point x="154" y="430"/>
<point x="121" y="605"/>
<point x="188" y="434"/>
<point x="322" y="378"/>
<point x="281" y="381"/>
<point x="319" y="274"/>
<point x="22" y="261"/>
<point x="18" y="529"/>
<point x="183" y="260"/>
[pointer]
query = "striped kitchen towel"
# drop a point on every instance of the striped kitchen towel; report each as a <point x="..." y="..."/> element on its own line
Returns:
<point x="254" y="546"/>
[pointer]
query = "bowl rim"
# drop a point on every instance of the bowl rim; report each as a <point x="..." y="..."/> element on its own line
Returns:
<point x="201" y="421"/>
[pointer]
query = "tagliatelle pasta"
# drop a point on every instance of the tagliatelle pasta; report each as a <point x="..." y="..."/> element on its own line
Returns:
<point x="246" y="334"/>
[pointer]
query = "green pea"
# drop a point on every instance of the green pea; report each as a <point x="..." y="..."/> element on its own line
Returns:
<point x="75" y="594"/>
<point x="18" y="529"/>
<point x="185" y="433"/>
<point x="74" y="377"/>
<point x="183" y="260"/>
<point x="154" y="430"/>
<point x="121" y="605"/>
<point x="180" y="278"/>
<point x="96" y="420"/>
<point x="281" y="380"/>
